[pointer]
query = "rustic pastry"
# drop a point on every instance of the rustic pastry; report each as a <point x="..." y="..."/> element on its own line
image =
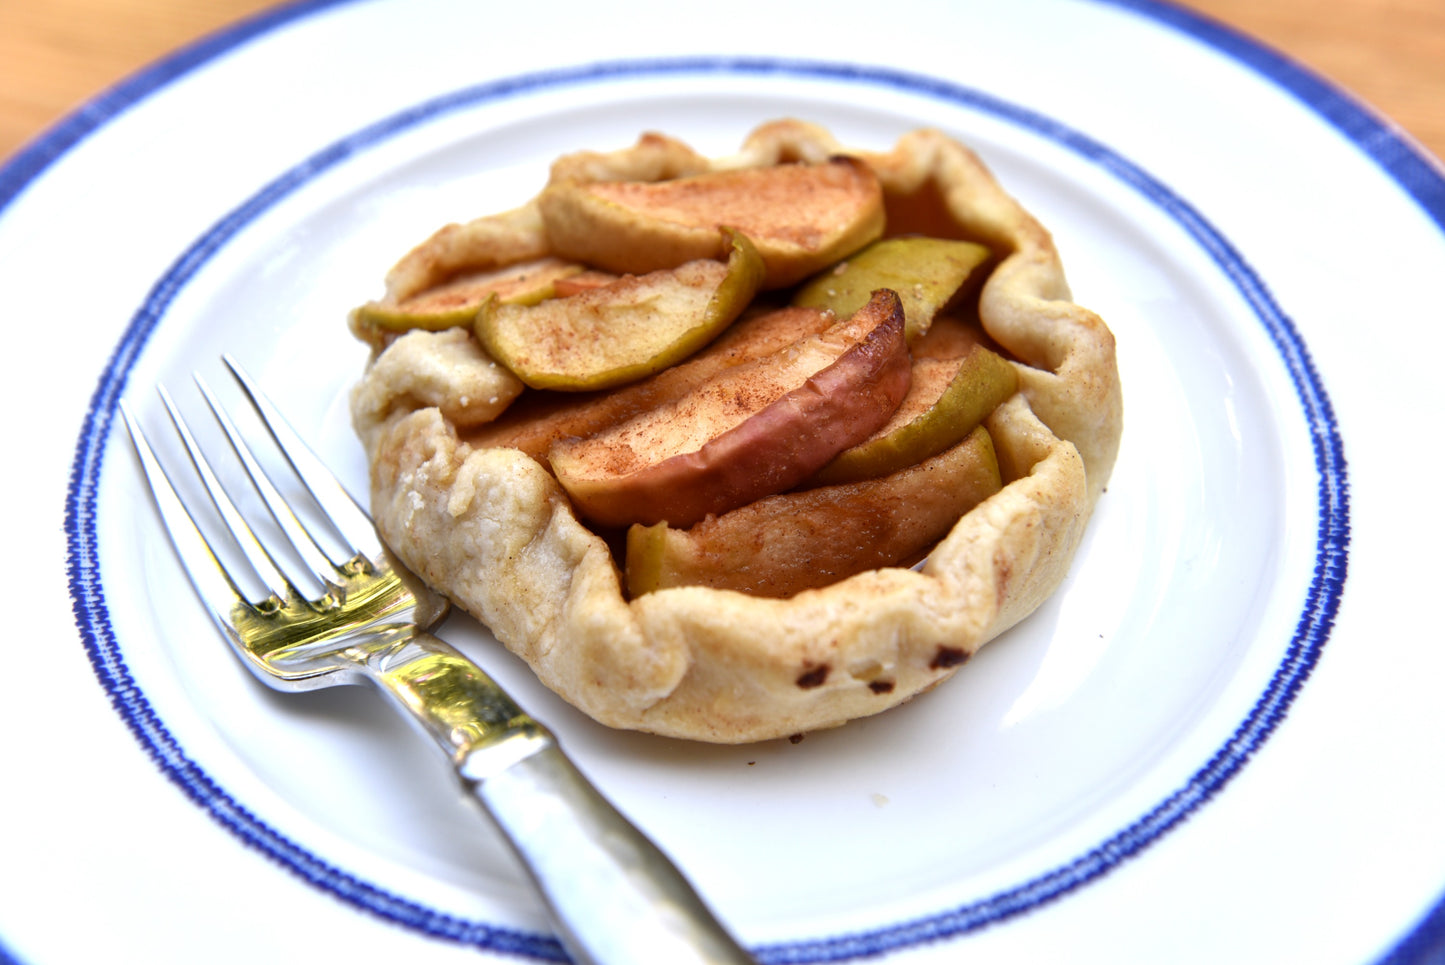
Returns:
<point x="952" y="430"/>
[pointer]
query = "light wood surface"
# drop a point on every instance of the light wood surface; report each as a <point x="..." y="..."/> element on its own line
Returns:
<point x="57" y="54"/>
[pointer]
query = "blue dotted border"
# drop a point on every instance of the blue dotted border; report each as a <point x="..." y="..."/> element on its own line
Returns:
<point x="1415" y="174"/>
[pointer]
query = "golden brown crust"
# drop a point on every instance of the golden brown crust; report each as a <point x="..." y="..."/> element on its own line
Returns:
<point x="491" y="528"/>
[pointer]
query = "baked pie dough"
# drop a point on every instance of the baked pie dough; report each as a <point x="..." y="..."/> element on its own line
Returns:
<point x="490" y="527"/>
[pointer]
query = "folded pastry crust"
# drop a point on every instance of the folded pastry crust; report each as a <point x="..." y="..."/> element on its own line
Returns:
<point x="492" y="530"/>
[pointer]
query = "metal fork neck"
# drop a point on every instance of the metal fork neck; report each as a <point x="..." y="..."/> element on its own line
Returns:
<point x="473" y="721"/>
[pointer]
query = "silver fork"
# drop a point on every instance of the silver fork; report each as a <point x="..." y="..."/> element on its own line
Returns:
<point x="615" y="897"/>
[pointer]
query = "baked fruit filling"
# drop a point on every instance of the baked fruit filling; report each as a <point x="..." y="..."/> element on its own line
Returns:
<point x="732" y="449"/>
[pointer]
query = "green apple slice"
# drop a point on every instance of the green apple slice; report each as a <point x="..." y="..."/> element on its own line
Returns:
<point x="948" y="399"/>
<point x="925" y="272"/>
<point x="784" y="544"/>
<point x="621" y="332"/>
<point x="455" y="302"/>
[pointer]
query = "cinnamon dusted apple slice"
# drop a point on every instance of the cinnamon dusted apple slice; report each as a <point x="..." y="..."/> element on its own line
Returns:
<point x="624" y="331"/>
<point x="455" y="302"/>
<point x="784" y="544"/>
<point x="802" y="217"/>
<point x="948" y="399"/>
<point x="927" y="273"/>
<point x="476" y="248"/>
<point x="494" y="241"/>
<point x="756" y="429"/>
<point x="538" y="419"/>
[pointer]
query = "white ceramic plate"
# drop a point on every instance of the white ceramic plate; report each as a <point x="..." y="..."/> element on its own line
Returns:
<point x="1169" y="757"/>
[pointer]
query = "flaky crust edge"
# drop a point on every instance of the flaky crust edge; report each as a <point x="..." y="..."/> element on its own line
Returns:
<point x="492" y="530"/>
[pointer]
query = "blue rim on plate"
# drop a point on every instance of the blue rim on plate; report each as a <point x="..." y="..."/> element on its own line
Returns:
<point x="1394" y="155"/>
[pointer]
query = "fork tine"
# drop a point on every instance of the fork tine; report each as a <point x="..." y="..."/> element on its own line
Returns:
<point x="212" y="582"/>
<point x="302" y="541"/>
<point x="261" y="561"/>
<point x="351" y="521"/>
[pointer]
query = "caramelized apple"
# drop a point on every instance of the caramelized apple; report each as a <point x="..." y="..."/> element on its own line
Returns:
<point x="784" y="544"/>
<point x="802" y="217"/>
<point x="539" y="419"/>
<point x="948" y="400"/>
<point x="624" y="331"/>
<point x="755" y="429"/>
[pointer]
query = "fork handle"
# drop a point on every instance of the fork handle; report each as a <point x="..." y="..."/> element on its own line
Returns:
<point x="617" y="899"/>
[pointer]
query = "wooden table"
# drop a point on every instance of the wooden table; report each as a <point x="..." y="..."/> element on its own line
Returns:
<point x="57" y="54"/>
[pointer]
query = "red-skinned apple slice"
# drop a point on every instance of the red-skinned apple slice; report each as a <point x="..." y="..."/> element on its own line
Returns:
<point x="784" y="544"/>
<point x="757" y="429"/>
<point x="947" y="400"/>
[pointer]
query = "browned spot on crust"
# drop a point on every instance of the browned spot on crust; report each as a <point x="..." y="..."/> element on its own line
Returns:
<point x="881" y="686"/>
<point x="949" y="657"/>
<point x="1003" y="570"/>
<point x="813" y="677"/>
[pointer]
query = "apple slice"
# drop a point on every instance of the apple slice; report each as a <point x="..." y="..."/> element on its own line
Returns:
<point x="802" y="217"/>
<point x="538" y="419"/>
<point x="927" y="273"/>
<point x="623" y="331"/>
<point x="784" y="544"/>
<point x="756" y="429"/>
<point x="482" y="244"/>
<point x="514" y="239"/>
<point x="947" y="400"/>
<point x="455" y="302"/>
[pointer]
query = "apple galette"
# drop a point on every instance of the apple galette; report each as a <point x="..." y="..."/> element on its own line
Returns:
<point x="734" y="449"/>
